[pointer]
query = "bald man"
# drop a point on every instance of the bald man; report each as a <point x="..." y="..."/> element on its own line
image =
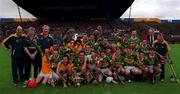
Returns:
<point x="15" y="43"/>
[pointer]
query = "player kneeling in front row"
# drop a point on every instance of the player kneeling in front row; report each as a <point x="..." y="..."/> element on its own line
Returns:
<point x="79" y="68"/>
<point x="130" y="62"/>
<point x="150" y="65"/>
<point x="103" y="66"/>
<point x="46" y="73"/>
<point x="156" y="62"/>
<point x="117" y="66"/>
<point x="64" y="70"/>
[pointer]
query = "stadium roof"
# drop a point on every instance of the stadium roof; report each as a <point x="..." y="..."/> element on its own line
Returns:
<point x="140" y="9"/>
<point x="75" y="9"/>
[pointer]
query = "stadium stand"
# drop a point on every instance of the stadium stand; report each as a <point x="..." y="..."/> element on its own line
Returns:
<point x="170" y="29"/>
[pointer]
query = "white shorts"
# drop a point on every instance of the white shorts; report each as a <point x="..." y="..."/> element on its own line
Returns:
<point x="54" y="75"/>
<point x="41" y="74"/>
<point x="103" y="71"/>
<point x="150" y="66"/>
<point x="129" y="67"/>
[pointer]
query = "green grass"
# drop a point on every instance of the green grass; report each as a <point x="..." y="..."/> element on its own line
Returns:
<point x="167" y="87"/>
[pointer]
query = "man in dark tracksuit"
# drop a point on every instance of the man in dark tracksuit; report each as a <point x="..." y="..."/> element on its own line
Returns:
<point x="16" y="44"/>
<point x="45" y="41"/>
<point x="32" y="51"/>
<point x="163" y="48"/>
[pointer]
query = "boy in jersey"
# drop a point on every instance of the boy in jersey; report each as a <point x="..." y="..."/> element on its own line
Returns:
<point x="64" y="70"/>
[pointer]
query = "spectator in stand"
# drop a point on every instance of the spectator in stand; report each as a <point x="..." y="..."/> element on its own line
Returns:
<point x="151" y="37"/>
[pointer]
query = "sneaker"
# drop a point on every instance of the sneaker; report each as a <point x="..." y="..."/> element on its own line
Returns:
<point x="52" y="84"/>
<point x="24" y="86"/>
<point x="25" y="82"/>
<point x="162" y="80"/>
<point x="78" y="84"/>
<point x="15" y="84"/>
<point x="114" y="82"/>
<point x="94" y="82"/>
<point x="49" y="82"/>
<point x="65" y="85"/>
<point x="172" y="79"/>
<point x="152" y="81"/>
<point x="129" y="81"/>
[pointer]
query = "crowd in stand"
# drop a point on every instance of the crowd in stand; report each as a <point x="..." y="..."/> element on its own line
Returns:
<point x="87" y="53"/>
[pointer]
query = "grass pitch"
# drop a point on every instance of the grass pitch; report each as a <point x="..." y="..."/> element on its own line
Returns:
<point x="167" y="87"/>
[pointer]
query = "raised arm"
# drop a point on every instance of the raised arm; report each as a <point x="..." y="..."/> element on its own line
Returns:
<point x="7" y="41"/>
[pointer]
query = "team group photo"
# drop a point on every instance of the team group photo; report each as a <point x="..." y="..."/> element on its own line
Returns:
<point x="85" y="47"/>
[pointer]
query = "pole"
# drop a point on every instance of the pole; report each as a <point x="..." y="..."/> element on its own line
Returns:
<point x="19" y="11"/>
<point x="130" y="12"/>
<point x="173" y="72"/>
<point x="128" y="22"/>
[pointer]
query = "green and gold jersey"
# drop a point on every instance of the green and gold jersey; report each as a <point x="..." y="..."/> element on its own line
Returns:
<point x="55" y="60"/>
<point x="119" y="59"/>
<point x="133" y="41"/>
<point x="77" y="63"/>
<point x="125" y="44"/>
<point x="100" y="43"/>
<point x="119" y="42"/>
<point x="96" y="38"/>
<point x="107" y="59"/>
<point x="97" y="49"/>
<point x="88" y="42"/>
<point x="102" y="46"/>
<point x="146" y="61"/>
<point x="16" y="44"/>
<point x="105" y="47"/>
<point x="33" y="46"/>
<point x="129" y="59"/>
<point x="154" y="59"/>
<point x="119" y="39"/>
<point x="144" y="49"/>
<point x="62" y="53"/>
